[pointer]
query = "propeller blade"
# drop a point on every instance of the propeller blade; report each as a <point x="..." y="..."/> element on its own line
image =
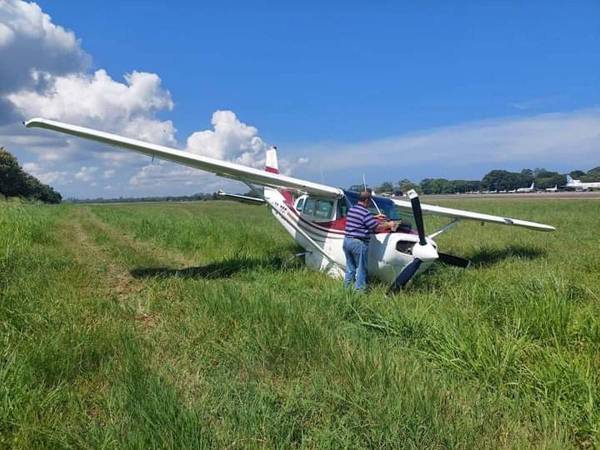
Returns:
<point x="454" y="260"/>
<point x="406" y="274"/>
<point x="418" y="214"/>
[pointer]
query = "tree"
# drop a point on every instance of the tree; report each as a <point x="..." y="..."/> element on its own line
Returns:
<point x="15" y="182"/>
<point x="546" y="179"/>
<point x="386" y="186"/>
<point x="592" y="175"/>
<point x="527" y="173"/>
<point x="436" y="186"/>
<point x="503" y="180"/>
<point x="594" y="171"/>
<point x="406" y="185"/>
<point x="464" y="186"/>
<point x="12" y="181"/>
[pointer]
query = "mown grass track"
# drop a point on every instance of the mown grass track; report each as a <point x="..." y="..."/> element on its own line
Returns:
<point x="187" y="325"/>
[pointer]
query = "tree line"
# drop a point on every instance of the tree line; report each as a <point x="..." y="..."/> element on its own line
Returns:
<point x="167" y="198"/>
<point x="15" y="182"/>
<point x="495" y="180"/>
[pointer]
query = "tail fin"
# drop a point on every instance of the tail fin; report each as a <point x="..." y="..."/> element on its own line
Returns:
<point x="569" y="179"/>
<point x="271" y="164"/>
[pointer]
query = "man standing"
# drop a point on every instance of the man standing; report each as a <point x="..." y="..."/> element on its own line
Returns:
<point x="360" y="224"/>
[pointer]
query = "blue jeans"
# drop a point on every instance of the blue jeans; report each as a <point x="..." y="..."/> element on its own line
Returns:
<point x="356" y="252"/>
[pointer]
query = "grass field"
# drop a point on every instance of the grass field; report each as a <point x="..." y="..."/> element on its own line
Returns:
<point x="187" y="325"/>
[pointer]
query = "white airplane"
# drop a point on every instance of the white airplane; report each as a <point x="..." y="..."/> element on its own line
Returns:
<point x="552" y="189"/>
<point x="579" y="186"/>
<point x="315" y="214"/>
<point x="527" y="190"/>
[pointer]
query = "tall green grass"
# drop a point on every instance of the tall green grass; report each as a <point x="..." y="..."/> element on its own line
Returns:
<point x="192" y="326"/>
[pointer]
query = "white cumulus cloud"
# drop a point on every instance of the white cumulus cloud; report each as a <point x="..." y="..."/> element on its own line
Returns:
<point x="86" y="174"/>
<point x="48" y="177"/>
<point x="230" y="139"/>
<point x="92" y="99"/>
<point x="154" y="178"/>
<point x="30" y="42"/>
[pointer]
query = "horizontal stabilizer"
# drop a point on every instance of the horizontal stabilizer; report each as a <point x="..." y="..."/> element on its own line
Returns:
<point x="242" y="198"/>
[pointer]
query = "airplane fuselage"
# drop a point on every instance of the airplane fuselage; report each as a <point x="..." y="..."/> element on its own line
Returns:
<point x="581" y="186"/>
<point x="323" y="241"/>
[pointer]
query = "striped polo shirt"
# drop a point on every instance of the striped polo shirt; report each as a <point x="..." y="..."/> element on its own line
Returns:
<point x="360" y="223"/>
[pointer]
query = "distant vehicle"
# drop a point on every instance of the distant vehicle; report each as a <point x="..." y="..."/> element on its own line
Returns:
<point x="579" y="186"/>
<point x="527" y="190"/>
<point x="552" y="189"/>
<point x="314" y="214"/>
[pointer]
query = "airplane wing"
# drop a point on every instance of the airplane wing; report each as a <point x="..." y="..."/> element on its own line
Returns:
<point x="468" y="215"/>
<point x="218" y="167"/>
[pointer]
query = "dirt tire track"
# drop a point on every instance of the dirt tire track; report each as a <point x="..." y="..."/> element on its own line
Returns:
<point x="79" y="242"/>
<point x="147" y="248"/>
<point x="78" y="234"/>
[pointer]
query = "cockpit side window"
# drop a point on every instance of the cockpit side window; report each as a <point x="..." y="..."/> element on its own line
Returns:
<point x="300" y="203"/>
<point x="309" y="207"/>
<point x="324" y="209"/>
<point x="318" y="208"/>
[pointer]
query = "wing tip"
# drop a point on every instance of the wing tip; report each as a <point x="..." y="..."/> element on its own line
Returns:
<point x="543" y="227"/>
<point x="34" y="122"/>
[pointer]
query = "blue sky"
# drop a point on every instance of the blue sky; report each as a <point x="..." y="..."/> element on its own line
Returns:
<point x="323" y="80"/>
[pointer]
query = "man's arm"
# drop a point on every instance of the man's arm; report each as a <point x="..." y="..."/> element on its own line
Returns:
<point x="385" y="226"/>
<point x="375" y="227"/>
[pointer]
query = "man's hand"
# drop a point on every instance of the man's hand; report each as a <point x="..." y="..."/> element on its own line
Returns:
<point x="387" y="225"/>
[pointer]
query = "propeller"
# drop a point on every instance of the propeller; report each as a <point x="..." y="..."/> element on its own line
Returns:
<point x="415" y="202"/>
<point x="423" y="251"/>
<point x="406" y="274"/>
<point x="452" y="260"/>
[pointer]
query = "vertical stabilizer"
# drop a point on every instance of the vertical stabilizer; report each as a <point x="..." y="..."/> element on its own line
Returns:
<point x="271" y="164"/>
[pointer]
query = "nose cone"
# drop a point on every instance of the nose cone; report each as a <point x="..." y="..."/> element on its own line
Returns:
<point x="425" y="252"/>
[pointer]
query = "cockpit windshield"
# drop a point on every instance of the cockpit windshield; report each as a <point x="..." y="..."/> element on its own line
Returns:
<point x="380" y="205"/>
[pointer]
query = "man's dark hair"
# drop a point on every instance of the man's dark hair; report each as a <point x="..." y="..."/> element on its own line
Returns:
<point x="365" y="196"/>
